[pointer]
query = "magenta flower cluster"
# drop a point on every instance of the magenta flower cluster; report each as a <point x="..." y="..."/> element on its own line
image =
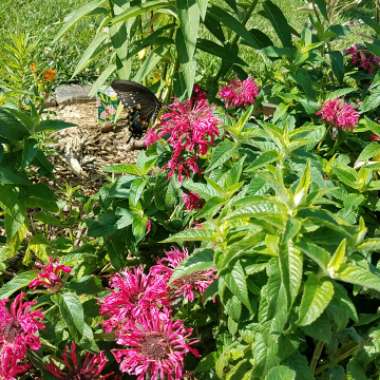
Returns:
<point x="50" y="275"/>
<point x="139" y="312"/>
<point x="190" y="128"/>
<point x="19" y="327"/>
<point x="192" y="201"/>
<point x="239" y="93"/>
<point x="74" y="368"/>
<point x="339" y="114"/>
<point x="363" y="59"/>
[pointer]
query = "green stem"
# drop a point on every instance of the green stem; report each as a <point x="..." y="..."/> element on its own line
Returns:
<point x="316" y="355"/>
<point x="111" y="8"/>
<point x="344" y="355"/>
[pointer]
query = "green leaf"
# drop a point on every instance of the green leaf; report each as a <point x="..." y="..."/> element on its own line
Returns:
<point x="9" y="176"/>
<point x="148" y="65"/>
<point x="77" y="14"/>
<point x="198" y="261"/>
<point x="202" y="4"/>
<point x="337" y="63"/>
<point x="18" y="282"/>
<point x="213" y="48"/>
<point x="357" y="275"/>
<point x="85" y="59"/>
<point x="370" y="103"/>
<point x="107" y="72"/>
<point x="136" y="190"/>
<point x="281" y="372"/>
<point x="53" y="125"/>
<point x="190" y="235"/>
<point x="263" y="160"/>
<point x="303" y="186"/>
<point x="322" y="8"/>
<point x="223" y="17"/>
<point x="215" y="28"/>
<point x="10" y="127"/>
<point x="369" y="245"/>
<point x="337" y="259"/>
<point x="316" y="296"/>
<point x="123" y="169"/>
<point x="221" y="154"/>
<point x="236" y="282"/>
<point x="72" y="313"/>
<point x="274" y="14"/>
<point x="141" y="9"/>
<point x="186" y="40"/>
<point x="339" y="93"/>
<point x="292" y="264"/>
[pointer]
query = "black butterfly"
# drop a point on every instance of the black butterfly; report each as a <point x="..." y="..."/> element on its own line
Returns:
<point x="140" y="104"/>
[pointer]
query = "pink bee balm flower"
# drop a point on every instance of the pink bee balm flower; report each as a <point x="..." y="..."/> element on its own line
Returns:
<point x="192" y="201"/>
<point x="50" y="275"/>
<point x="339" y="114"/>
<point x="374" y="137"/>
<point x="198" y="94"/>
<point x="19" y="327"/>
<point x="186" y="286"/>
<point x="363" y="59"/>
<point x="190" y="128"/>
<point x="133" y="292"/>
<point x="239" y="93"/>
<point x="155" y="347"/>
<point x="90" y="368"/>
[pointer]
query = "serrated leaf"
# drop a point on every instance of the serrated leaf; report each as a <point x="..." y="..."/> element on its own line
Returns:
<point x="236" y="282"/>
<point x="221" y="154"/>
<point x="337" y="259"/>
<point x="316" y="296"/>
<point x="190" y="235"/>
<point x="369" y="245"/>
<point x="197" y="262"/>
<point x="263" y="160"/>
<point x="281" y="372"/>
<point x="357" y="275"/>
<point x="293" y="264"/>
<point x="303" y="186"/>
<point x="18" y="282"/>
<point x="371" y="150"/>
<point x="370" y="103"/>
<point x="72" y="313"/>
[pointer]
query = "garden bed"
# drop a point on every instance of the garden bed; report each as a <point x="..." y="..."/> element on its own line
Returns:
<point x="81" y="152"/>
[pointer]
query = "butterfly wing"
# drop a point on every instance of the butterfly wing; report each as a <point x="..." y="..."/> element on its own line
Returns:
<point x="138" y="98"/>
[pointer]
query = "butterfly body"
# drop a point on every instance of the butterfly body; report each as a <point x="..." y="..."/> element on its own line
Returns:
<point x="141" y="105"/>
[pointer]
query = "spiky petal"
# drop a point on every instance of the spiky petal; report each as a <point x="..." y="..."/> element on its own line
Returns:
<point x="90" y="367"/>
<point x="339" y="114"/>
<point x="155" y="347"/>
<point x="190" y="128"/>
<point x="239" y="93"/>
<point x="187" y="286"/>
<point x="19" y="327"/>
<point x="50" y="275"/>
<point x="132" y="293"/>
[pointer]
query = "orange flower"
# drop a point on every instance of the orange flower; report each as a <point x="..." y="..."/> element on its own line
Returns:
<point x="50" y="75"/>
<point x="33" y="67"/>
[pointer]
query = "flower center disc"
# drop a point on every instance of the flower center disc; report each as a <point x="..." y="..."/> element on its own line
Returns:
<point x="155" y="346"/>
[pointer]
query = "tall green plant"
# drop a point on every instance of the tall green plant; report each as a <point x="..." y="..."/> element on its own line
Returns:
<point x="167" y="35"/>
